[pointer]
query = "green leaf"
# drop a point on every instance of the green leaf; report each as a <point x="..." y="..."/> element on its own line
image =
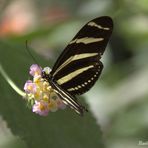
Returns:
<point x="62" y="129"/>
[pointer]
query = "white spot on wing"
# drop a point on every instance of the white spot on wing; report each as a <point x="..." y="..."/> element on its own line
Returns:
<point x="75" y="57"/>
<point x="93" y="24"/>
<point x="86" y="40"/>
<point x="73" y="74"/>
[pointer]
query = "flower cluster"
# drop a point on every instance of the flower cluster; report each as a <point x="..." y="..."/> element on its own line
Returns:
<point x="39" y="92"/>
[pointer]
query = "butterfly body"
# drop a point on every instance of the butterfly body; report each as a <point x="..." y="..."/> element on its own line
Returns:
<point x="79" y="66"/>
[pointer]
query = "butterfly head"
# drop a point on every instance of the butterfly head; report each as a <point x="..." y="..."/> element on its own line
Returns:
<point x="46" y="73"/>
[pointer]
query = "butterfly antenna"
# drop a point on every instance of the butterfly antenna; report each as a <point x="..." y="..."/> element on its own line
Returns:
<point x="29" y="51"/>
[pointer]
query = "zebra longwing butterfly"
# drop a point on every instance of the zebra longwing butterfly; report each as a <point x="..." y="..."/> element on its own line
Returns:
<point x="79" y="66"/>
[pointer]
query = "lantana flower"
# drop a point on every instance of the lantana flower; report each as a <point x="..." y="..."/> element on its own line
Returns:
<point x="42" y="96"/>
<point x="35" y="70"/>
<point x="30" y="87"/>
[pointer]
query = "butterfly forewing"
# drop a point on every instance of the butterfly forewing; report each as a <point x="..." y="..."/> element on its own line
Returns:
<point x="79" y="65"/>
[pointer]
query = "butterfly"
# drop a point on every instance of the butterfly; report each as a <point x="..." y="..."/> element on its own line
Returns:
<point x="79" y="66"/>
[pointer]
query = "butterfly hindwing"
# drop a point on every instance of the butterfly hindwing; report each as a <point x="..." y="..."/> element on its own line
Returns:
<point x="79" y="65"/>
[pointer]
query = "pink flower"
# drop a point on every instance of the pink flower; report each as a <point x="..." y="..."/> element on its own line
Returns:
<point x="40" y="108"/>
<point x="41" y="93"/>
<point x="35" y="70"/>
<point x="30" y="87"/>
<point x="60" y="104"/>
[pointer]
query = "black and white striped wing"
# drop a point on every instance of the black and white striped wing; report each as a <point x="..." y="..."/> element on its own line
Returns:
<point x="79" y="65"/>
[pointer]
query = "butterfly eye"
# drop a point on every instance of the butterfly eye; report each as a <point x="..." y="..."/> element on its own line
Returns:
<point x="43" y="75"/>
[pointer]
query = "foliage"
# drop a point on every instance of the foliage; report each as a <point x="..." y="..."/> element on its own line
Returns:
<point x="60" y="129"/>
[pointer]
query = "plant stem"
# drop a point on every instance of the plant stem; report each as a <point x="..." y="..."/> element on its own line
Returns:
<point x="10" y="82"/>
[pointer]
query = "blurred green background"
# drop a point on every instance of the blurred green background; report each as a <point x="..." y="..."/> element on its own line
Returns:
<point x="118" y="103"/>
